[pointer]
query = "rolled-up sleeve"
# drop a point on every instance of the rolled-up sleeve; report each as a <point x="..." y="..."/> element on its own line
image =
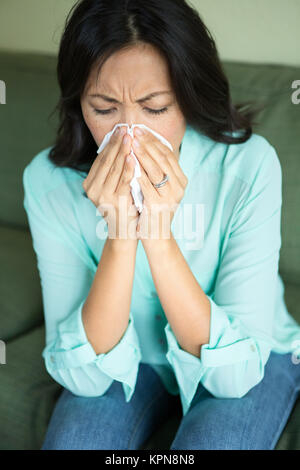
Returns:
<point x="72" y="361"/>
<point x="66" y="281"/>
<point x="243" y="300"/>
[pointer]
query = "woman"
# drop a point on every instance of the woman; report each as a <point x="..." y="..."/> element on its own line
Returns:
<point x="137" y="325"/>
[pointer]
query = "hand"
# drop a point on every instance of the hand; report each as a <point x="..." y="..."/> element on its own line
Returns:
<point x="107" y="185"/>
<point x="160" y="204"/>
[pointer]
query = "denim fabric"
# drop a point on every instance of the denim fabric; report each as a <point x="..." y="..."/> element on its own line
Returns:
<point x="108" y="421"/>
<point x="252" y="422"/>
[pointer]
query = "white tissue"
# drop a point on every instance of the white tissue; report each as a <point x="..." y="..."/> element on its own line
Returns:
<point x="135" y="185"/>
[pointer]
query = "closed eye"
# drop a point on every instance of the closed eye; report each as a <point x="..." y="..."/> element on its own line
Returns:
<point x="151" y="111"/>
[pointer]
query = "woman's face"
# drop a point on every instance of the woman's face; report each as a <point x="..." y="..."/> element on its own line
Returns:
<point x="125" y="79"/>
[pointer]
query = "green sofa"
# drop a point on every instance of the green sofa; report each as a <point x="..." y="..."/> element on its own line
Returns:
<point x="27" y="392"/>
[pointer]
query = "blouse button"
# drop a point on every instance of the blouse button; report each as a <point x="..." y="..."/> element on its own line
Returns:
<point x="161" y="341"/>
<point x="153" y="294"/>
<point x="252" y="347"/>
<point x="52" y="359"/>
<point x="158" y="317"/>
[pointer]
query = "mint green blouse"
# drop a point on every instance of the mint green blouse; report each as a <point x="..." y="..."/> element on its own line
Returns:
<point x="233" y="253"/>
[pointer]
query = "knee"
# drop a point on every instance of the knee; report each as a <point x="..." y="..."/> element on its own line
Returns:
<point x="196" y="432"/>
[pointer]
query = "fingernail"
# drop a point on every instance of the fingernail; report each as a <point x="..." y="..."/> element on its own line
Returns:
<point x="135" y="143"/>
<point x="139" y="131"/>
<point x="117" y="131"/>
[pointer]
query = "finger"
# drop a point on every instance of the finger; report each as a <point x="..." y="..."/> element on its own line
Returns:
<point x="149" y="191"/>
<point x="117" y="167"/>
<point x="95" y="165"/>
<point x="104" y="160"/>
<point x="155" y="161"/>
<point x="172" y="160"/>
<point x="159" y="149"/>
<point x="124" y="187"/>
<point x="153" y="170"/>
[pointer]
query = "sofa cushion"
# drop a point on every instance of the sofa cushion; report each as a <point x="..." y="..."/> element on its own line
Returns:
<point x="28" y="393"/>
<point x="292" y="299"/>
<point x="20" y="292"/>
<point x="31" y="95"/>
<point x="279" y="122"/>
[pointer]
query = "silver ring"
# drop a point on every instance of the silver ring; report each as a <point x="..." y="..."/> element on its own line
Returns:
<point x="162" y="183"/>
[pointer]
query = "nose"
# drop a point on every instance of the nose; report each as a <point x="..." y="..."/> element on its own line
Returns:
<point x="130" y="117"/>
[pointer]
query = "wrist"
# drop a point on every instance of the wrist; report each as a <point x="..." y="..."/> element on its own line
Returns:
<point x="161" y="245"/>
<point x="122" y="244"/>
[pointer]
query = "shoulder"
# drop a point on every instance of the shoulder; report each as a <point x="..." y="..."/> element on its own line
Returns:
<point x="246" y="161"/>
<point x="41" y="175"/>
<point x="253" y="159"/>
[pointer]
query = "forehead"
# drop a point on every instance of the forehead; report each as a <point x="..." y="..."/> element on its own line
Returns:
<point x="139" y="67"/>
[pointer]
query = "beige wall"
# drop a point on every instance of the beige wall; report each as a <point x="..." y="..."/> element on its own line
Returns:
<point x="249" y="30"/>
<point x="254" y="30"/>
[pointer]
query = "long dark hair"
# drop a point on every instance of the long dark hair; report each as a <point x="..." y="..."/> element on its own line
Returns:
<point x="95" y="29"/>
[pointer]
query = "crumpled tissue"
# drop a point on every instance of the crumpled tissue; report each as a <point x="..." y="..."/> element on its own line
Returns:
<point x="135" y="185"/>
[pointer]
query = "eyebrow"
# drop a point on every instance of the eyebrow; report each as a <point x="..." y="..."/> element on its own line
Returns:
<point x="141" y="100"/>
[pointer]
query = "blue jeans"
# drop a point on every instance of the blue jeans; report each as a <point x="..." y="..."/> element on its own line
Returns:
<point x="254" y="421"/>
